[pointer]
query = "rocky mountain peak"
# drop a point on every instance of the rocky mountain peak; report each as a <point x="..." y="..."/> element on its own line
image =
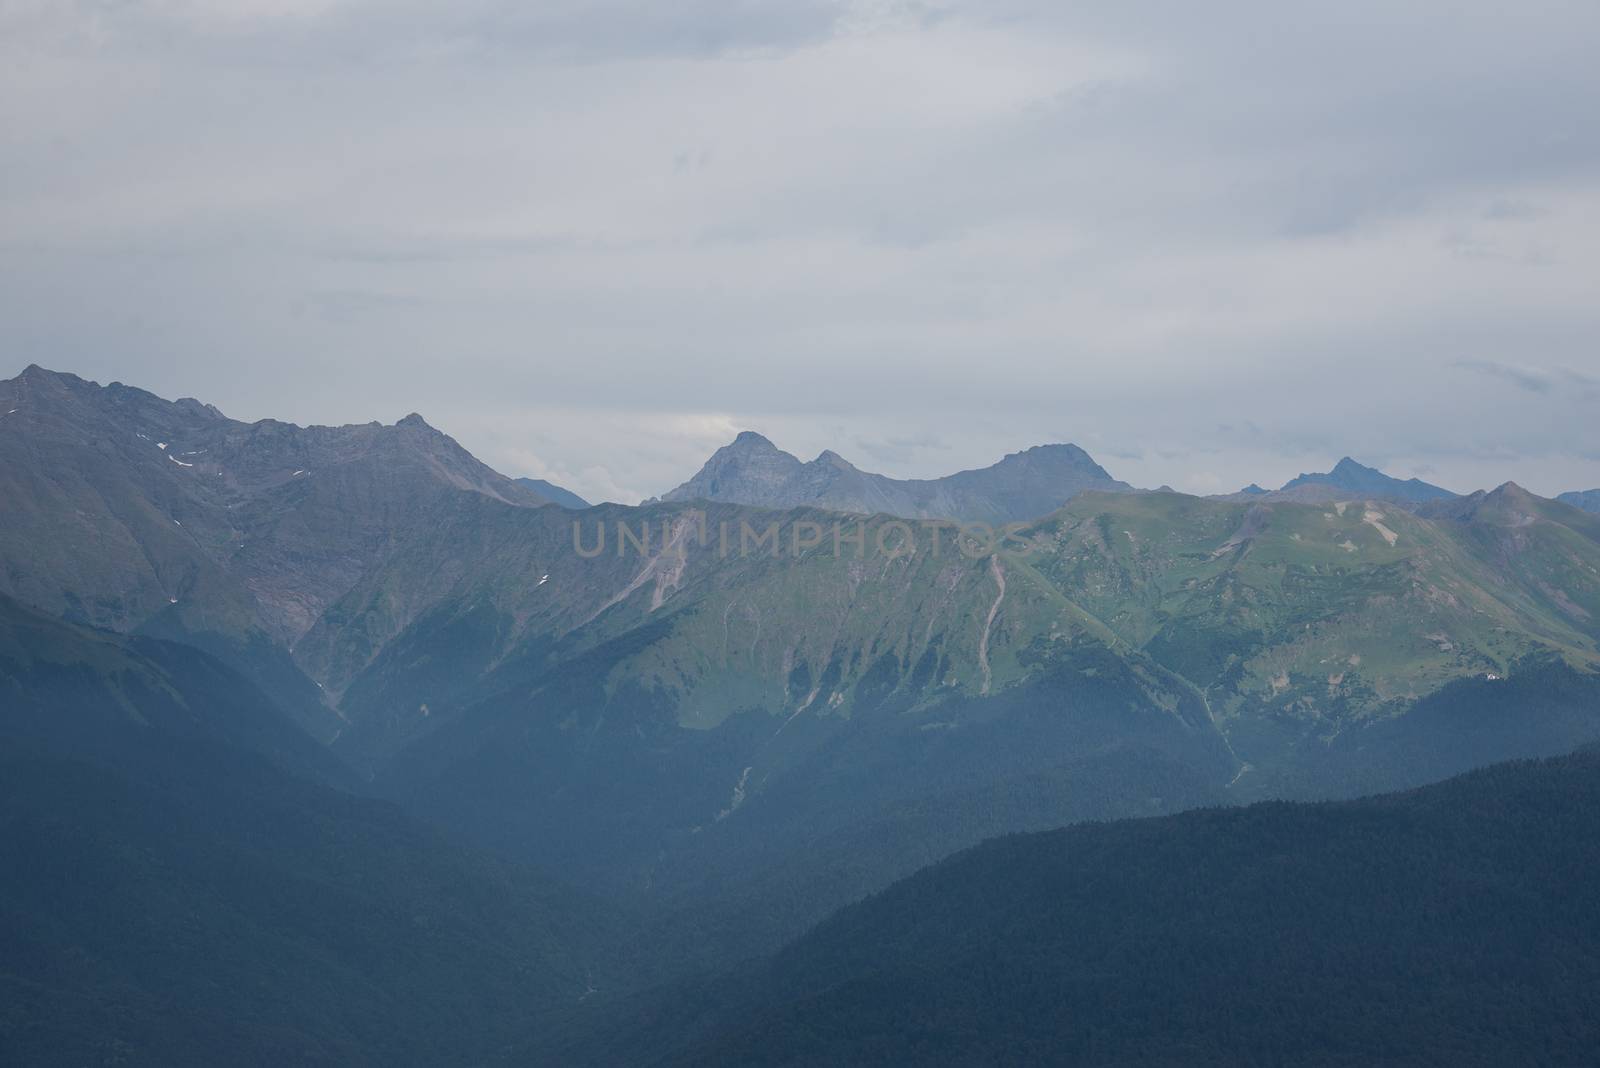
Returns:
<point x="1061" y="455"/>
<point x="750" y="441"/>
<point x="833" y="459"/>
<point x="414" y="421"/>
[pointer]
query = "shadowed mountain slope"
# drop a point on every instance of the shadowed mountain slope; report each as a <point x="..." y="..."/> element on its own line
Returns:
<point x="79" y="691"/>
<point x="176" y="887"/>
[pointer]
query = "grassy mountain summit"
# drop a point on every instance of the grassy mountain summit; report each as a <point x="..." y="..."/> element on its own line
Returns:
<point x="1307" y="625"/>
<point x="1251" y="597"/>
<point x="1022" y="486"/>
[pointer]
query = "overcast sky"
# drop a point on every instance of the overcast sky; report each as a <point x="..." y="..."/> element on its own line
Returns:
<point x="1210" y="243"/>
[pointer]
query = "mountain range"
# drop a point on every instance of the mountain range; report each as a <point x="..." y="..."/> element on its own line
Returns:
<point x="1024" y="485"/>
<point x="729" y="717"/>
<point x="379" y="581"/>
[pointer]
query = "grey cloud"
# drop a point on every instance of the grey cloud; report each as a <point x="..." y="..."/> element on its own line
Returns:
<point x="900" y="450"/>
<point x="1503" y="208"/>
<point x="1529" y="378"/>
<point x="345" y="305"/>
<point x="298" y="35"/>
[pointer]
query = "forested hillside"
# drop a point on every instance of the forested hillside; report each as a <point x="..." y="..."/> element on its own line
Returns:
<point x="1450" y="925"/>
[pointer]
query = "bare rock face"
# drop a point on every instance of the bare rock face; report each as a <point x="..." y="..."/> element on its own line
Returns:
<point x="1024" y="485"/>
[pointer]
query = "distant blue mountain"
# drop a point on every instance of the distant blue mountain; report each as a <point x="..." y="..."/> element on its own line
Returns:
<point x="1358" y="478"/>
<point x="1588" y="500"/>
<point x="553" y="493"/>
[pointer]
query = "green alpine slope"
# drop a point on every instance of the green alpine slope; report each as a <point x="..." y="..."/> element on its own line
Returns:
<point x="1289" y="621"/>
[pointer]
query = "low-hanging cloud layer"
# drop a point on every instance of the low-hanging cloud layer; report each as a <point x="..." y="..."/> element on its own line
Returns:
<point x="1210" y="243"/>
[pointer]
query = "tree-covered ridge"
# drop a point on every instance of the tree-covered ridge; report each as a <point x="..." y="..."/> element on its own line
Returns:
<point x="1449" y="925"/>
